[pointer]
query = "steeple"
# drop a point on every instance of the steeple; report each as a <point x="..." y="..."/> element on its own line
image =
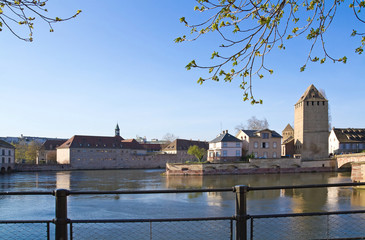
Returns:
<point x="117" y="130"/>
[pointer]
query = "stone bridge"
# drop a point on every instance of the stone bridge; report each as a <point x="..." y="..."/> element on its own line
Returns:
<point x="357" y="163"/>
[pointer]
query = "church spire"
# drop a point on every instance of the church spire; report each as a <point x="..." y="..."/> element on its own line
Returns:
<point x="117" y="130"/>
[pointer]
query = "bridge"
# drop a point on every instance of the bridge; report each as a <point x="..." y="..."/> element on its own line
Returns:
<point x="357" y="163"/>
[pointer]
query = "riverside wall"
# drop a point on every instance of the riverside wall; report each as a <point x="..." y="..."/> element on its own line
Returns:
<point x="254" y="166"/>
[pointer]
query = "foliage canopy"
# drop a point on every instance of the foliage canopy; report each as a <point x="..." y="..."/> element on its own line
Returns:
<point x="251" y="29"/>
<point x="24" y="13"/>
<point x="197" y="152"/>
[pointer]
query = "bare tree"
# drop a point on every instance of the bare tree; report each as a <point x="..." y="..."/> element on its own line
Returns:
<point x="253" y="124"/>
<point x="169" y="137"/>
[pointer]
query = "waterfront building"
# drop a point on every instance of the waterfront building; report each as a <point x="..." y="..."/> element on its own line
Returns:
<point x="346" y="140"/>
<point x="311" y="125"/>
<point x="47" y="152"/>
<point x="180" y="148"/>
<point x="225" y="148"/>
<point x="287" y="145"/>
<point x="7" y="156"/>
<point x="261" y="143"/>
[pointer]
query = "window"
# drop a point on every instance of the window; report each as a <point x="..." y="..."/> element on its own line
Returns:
<point x="265" y="154"/>
<point x="3" y="152"/>
<point x="265" y="135"/>
<point x="224" y="153"/>
<point x="265" y="145"/>
<point x="3" y="160"/>
<point x="256" y="145"/>
<point x="238" y="153"/>
<point x="255" y="154"/>
<point x="211" y="154"/>
<point x="217" y="154"/>
<point x="224" y="144"/>
<point x="237" y="144"/>
<point x="274" y="144"/>
<point x="9" y="160"/>
<point x="9" y="153"/>
<point x="274" y="155"/>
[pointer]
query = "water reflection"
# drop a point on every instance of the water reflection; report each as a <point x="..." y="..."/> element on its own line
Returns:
<point x="175" y="205"/>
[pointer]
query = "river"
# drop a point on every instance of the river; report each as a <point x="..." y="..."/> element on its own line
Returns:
<point x="170" y="205"/>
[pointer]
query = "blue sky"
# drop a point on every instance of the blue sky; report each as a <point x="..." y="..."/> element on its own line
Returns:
<point x="117" y="62"/>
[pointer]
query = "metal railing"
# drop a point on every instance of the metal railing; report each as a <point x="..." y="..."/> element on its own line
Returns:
<point x="315" y="225"/>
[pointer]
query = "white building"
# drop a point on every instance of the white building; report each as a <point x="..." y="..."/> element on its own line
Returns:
<point x="225" y="148"/>
<point x="7" y="156"/>
<point x="346" y="140"/>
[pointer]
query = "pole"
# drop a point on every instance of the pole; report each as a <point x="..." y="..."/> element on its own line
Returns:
<point x="241" y="212"/>
<point x="61" y="219"/>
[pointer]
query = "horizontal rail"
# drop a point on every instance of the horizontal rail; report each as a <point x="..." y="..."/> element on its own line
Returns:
<point x="151" y="220"/>
<point x="27" y="193"/>
<point x="24" y="221"/>
<point x="306" y="214"/>
<point x="306" y="186"/>
<point x="186" y="190"/>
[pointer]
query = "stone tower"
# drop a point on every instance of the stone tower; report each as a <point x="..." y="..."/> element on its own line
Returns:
<point x="311" y="125"/>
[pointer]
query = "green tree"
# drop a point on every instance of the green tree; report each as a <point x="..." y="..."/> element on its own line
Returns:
<point x="31" y="153"/>
<point x="197" y="152"/>
<point x="25" y="12"/>
<point x="250" y="30"/>
<point x="20" y="151"/>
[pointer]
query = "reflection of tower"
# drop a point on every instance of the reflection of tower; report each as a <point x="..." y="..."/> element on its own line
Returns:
<point x="117" y="130"/>
<point x="311" y="125"/>
<point x="63" y="180"/>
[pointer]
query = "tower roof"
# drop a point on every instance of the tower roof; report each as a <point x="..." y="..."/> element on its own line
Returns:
<point x="288" y="128"/>
<point x="117" y="127"/>
<point x="312" y="94"/>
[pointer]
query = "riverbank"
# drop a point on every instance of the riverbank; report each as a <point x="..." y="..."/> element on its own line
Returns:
<point x="253" y="166"/>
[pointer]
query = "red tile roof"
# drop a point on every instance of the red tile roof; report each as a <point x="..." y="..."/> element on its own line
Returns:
<point x="131" y="144"/>
<point x="79" y="141"/>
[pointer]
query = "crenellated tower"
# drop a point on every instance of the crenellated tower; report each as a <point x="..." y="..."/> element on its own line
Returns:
<point x="311" y="125"/>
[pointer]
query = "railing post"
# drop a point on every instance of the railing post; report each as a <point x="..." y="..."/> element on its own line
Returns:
<point x="241" y="212"/>
<point x="61" y="219"/>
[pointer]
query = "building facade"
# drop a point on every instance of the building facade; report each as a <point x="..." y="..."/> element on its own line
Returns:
<point x="346" y="140"/>
<point x="287" y="145"/>
<point x="7" y="157"/>
<point x="180" y="148"/>
<point x="311" y="125"/>
<point x="261" y="143"/>
<point x="47" y="153"/>
<point x="225" y="148"/>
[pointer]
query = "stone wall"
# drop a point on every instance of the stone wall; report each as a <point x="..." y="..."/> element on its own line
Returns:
<point x="285" y="165"/>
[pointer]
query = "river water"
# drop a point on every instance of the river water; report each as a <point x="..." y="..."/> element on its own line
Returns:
<point x="182" y="205"/>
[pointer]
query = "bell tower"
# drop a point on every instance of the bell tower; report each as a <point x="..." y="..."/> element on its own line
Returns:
<point x="311" y="125"/>
<point x="117" y="131"/>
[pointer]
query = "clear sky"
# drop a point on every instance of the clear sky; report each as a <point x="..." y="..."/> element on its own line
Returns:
<point x="117" y="63"/>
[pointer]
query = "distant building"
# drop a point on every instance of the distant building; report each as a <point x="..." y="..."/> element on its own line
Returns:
<point x="311" y="125"/>
<point x="346" y="140"/>
<point x="225" y="148"/>
<point x="7" y="157"/>
<point x="180" y="148"/>
<point x="264" y="143"/>
<point x="48" y="153"/>
<point x="287" y="145"/>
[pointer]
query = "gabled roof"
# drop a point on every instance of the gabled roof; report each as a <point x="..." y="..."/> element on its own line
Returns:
<point x="131" y="144"/>
<point x="79" y="141"/>
<point x="6" y="145"/>
<point x="289" y="139"/>
<point x="288" y="128"/>
<point x="350" y="135"/>
<point x="225" y="137"/>
<point x="52" y="144"/>
<point x="312" y="94"/>
<point x="183" y="144"/>
<point x="255" y="133"/>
